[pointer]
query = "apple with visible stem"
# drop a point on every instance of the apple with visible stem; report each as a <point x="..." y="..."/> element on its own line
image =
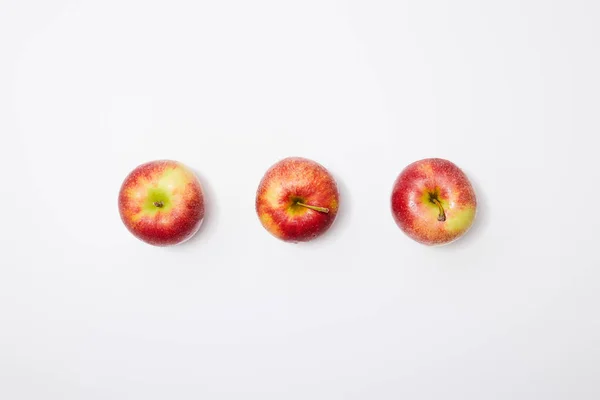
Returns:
<point x="433" y="201"/>
<point x="162" y="203"/>
<point x="297" y="200"/>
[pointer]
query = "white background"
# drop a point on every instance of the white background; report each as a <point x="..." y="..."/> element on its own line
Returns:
<point x="508" y="90"/>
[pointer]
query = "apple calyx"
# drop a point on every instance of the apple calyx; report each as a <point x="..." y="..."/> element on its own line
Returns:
<point x="442" y="215"/>
<point x="319" y="209"/>
<point x="159" y="204"/>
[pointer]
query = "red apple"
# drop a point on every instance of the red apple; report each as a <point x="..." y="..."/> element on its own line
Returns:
<point x="297" y="200"/>
<point x="433" y="201"/>
<point x="162" y="203"/>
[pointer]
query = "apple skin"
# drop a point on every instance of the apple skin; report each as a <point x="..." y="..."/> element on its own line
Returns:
<point x="292" y="181"/>
<point x="162" y="203"/>
<point x="433" y="201"/>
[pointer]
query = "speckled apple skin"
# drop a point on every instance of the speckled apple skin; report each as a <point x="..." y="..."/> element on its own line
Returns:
<point x="414" y="210"/>
<point x="284" y="183"/>
<point x="179" y="189"/>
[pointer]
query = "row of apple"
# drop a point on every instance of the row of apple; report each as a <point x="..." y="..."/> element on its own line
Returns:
<point x="162" y="202"/>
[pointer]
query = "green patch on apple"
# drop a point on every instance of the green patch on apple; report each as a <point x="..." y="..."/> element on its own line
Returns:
<point x="156" y="201"/>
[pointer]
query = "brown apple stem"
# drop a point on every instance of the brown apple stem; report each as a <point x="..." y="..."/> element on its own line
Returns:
<point x="158" y="204"/>
<point x="319" y="209"/>
<point x="442" y="216"/>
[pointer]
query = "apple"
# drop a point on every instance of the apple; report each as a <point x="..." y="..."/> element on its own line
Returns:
<point x="297" y="200"/>
<point x="433" y="201"/>
<point x="162" y="203"/>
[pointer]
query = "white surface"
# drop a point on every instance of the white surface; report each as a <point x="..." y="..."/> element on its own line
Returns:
<point x="508" y="90"/>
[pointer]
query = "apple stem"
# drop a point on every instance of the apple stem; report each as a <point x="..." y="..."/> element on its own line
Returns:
<point x="442" y="216"/>
<point x="158" y="204"/>
<point x="319" y="209"/>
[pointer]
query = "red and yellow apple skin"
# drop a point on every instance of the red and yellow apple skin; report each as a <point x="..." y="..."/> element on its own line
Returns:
<point x="433" y="201"/>
<point x="297" y="200"/>
<point x="162" y="203"/>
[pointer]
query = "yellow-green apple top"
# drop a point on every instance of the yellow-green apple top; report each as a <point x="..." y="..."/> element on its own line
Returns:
<point x="162" y="203"/>
<point x="297" y="200"/>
